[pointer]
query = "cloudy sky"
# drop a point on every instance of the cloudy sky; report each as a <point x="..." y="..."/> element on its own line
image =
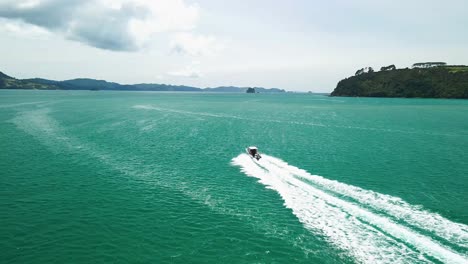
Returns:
<point x="298" y="45"/>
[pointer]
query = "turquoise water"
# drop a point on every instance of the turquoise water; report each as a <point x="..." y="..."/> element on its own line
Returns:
<point x="122" y="177"/>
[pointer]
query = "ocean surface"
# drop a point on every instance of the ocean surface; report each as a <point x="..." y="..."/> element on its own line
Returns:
<point x="136" y="177"/>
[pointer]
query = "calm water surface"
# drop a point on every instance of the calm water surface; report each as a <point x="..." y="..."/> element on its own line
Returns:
<point x="123" y="177"/>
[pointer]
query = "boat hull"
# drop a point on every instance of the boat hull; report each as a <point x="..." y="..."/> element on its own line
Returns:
<point x="253" y="156"/>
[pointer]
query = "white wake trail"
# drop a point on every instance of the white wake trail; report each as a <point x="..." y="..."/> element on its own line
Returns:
<point x="19" y="104"/>
<point x="314" y="124"/>
<point x="369" y="237"/>
<point x="413" y="215"/>
<point x="150" y="107"/>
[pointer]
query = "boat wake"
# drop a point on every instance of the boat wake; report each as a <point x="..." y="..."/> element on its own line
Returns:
<point x="371" y="227"/>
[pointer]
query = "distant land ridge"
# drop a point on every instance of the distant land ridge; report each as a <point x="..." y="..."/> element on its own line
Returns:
<point x="424" y="80"/>
<point x="7" y="82"/>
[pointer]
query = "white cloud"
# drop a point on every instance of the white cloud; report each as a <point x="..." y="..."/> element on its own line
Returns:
<point x="195" y="45"/>
<point x="22" y="29"/>
<point x="190" y="71"/>
<point x="122" y="25"/>
<point x="28" y="3"/>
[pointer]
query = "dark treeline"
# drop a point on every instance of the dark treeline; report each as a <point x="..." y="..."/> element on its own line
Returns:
<point x="432" y="82"/>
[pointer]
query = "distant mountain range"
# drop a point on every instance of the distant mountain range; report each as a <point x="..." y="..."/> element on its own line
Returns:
<point x="7" y="82"/>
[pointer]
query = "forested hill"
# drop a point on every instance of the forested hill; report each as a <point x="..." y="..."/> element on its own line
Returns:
<point x="7" y="82"/>
<point x="424" y="82"/>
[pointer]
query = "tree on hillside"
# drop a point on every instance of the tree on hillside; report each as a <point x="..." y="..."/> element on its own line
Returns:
<point x="359" y="72"/>
<point x="364" y="70"/>
<point x="388" y="68"/>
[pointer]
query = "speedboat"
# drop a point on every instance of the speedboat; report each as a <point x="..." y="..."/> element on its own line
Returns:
<point x="253" y="152"/>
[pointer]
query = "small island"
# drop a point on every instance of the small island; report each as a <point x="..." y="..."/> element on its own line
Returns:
<point x="423" y="80"/>
<point x="250" y="90"/>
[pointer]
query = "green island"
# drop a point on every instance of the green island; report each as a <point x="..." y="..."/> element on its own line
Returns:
<point x="8" y="82"/>
<point x="250" y="90"/>
<point x="423" y="80"/>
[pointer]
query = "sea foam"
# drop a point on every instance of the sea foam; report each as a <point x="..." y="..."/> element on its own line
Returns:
<point x="371" y="227"/>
